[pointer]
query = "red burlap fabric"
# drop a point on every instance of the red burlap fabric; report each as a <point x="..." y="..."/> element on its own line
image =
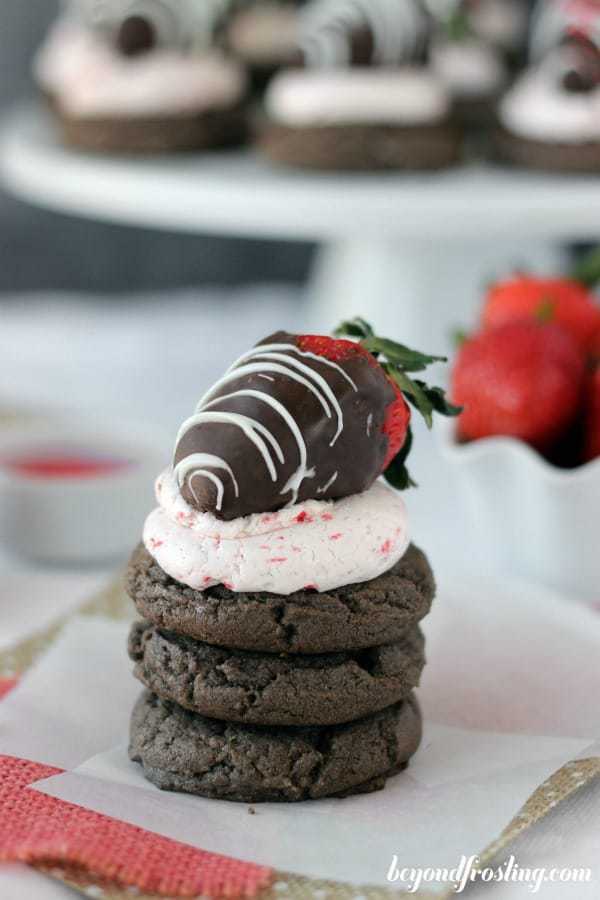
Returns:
<point x="6" y="685"/>
<point x="39" y="829"/>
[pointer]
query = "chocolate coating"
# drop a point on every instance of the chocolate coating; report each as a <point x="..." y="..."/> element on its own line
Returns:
<point x="136" y="35"/>
<point x="345" y="447"/>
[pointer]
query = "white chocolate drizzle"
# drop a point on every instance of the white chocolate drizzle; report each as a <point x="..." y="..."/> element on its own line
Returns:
<point x="326" y="487"/>
<point x="399" y="28"/>
<point x="194" y="464"/>
<point x="250" y="427"/>
<point x="187" y="25"/>
<point x="267" y="358"/>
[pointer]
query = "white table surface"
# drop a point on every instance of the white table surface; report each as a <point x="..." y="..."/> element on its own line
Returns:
<point x="151" y="359"/>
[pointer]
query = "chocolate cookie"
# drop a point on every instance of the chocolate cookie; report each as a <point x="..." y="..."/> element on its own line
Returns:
<point x="363" y="147"/>
<point x="547" y="155"/>
<point x="217" y="128"/>
<point x="348" y="618"/>
<point x="183" y="751"/>
<point x="271" y="689"/>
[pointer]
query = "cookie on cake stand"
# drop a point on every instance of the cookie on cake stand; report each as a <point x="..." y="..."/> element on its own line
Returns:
<point x="360" y="94"/>
<point x="263" y="35"/>
<point x="142" y="76"/>
<point x="281" y="593"/>
<point x="474" y="48"/>
<point x="550" y="119"/>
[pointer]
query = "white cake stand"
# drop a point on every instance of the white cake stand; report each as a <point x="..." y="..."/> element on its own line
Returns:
<point x="411" y="252"/>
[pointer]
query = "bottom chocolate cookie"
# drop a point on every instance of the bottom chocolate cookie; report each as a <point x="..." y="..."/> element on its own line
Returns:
<point x="363" y="147"/>
<point x="186" y="752"/>
<point x="218" y="128"/>
<point x="547" y="155"/>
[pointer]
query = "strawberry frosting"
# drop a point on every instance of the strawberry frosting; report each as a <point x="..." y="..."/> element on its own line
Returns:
<point x="317" y="544"/>
<point x="88" y="78"/>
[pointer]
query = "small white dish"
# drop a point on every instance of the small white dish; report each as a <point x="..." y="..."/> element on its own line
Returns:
<point x="536" y="520"/>
<point x="88" y="512"/>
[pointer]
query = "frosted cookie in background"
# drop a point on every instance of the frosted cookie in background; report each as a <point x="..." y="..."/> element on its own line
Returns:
<point x="476" y="46"/>
<point x="550" y="119"/>
<point x="361" y="94"/>
<point x="143" y="76"/>
<point x="263" y="35"/>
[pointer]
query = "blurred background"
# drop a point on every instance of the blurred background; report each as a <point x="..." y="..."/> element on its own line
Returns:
<point x="130" y="325"/>
<point x="101" y="257"/>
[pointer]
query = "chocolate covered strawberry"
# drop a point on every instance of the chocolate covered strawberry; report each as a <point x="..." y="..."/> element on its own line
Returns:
<point x="564" y="301"/>
<point x="303" y="417"/>
<point x="522" y="380"/>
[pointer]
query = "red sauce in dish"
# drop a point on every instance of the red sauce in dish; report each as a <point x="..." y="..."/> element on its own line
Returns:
<point x="57" y="464"/>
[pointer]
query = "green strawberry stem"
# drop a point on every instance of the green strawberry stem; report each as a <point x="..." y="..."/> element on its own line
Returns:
<point x="398" y="362"/>
<point x="458" y="26"/>
<point x="587" y="270"/>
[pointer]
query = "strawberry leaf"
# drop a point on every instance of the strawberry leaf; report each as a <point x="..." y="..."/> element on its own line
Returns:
<point x="587" y="271"/>
<point x="546" y="311"/>
<point x="437" y="398"/>
<point x="414" y="393"/>
<point x="399" y="362"/>
<point x="459" y="336"/>
<point x="396" y="473"/>
<point x="409" y="360"/>
<point x="458" y="25"/>
<point x="356" y="328"/>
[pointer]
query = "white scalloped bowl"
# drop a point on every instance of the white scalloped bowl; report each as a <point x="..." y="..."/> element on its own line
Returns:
<point x="537" y="521"/>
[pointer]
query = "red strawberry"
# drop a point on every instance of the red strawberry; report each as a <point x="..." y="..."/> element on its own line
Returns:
<point x="592" y="417"/>
<point x="594" y="349"/>
<point x="523" y="379"/>
<point x="398" y="414"/>
<point x="561" y="300"/>
<point x="397" y="363"/>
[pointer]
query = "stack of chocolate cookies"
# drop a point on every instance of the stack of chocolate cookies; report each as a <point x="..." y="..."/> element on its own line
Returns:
<point x="253" y="697"/>
<point x="280" y="593"/>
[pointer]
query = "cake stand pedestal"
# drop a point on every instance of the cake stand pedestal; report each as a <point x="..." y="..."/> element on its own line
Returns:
<point x="412" y="252"/>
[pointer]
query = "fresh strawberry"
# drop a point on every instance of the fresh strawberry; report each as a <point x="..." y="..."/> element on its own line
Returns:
<point x="564" y="301"/>
<point x="594" y="350"/>
<point x="395" y="361"/>
<point x="523" y="379"/>
<point x="398" y="415"/>
<point x="592" y="416"/>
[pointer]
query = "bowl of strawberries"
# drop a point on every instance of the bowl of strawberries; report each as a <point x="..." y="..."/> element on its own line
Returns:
<point x="527" y="442"/>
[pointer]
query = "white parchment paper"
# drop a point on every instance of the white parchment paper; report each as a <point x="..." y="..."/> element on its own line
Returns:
<point x="509" y="696"/>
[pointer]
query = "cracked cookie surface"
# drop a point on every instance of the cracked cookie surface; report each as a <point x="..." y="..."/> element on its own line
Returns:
<point x="183" y="751"/>
<point x="348" y="618"/>
<point x="275" y="689"/>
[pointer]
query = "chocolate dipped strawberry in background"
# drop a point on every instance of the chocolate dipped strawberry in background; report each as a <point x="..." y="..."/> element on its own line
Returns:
<point x="143" y="76"/>
<point x="276" y="544"/>
<point x="358" y="92"/>
<point x="549" y="119"/>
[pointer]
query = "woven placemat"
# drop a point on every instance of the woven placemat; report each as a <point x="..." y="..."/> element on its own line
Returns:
<point x="114" y="604"/>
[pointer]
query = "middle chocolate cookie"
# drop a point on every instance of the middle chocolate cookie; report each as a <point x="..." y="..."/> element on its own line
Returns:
<point x="271" y="689"/>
